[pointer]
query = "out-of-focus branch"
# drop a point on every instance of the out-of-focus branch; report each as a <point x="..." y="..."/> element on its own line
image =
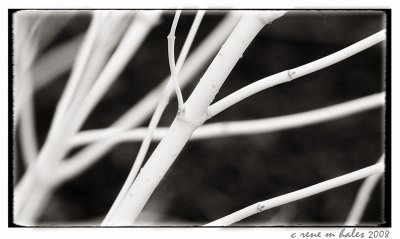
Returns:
<point x="65" y="126"/>
<point x="24" y="211"/>
<point x="139" y="112"/>
<point x="245" y="127"/>
<point x="55" y="62"/>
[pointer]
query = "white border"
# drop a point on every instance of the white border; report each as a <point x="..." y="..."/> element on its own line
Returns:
<point x="32" y="233"/>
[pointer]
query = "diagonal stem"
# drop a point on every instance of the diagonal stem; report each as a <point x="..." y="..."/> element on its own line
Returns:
<point x="171" y="57"/>
<point x="299" y="194"/>
<point x="289" y="75"/>
<point x="139" y="112"/>
<point x="157" y="114"/>
<point x="362" y="198"/>
<point x="193" y="116"/>
<point x="244" y="127"/>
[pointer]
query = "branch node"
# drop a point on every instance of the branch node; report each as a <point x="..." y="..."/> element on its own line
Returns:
<point x="291" y="74"/>
<point x="260" y="207"/>
<point x="181" y="111"/>
<point x="183" y="116"/>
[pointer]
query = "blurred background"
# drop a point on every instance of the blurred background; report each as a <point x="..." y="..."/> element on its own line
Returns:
<point x="212" y="178"/>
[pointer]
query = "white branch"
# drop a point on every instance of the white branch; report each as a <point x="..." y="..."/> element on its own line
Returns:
<point x="25" y="187"/>
<point x="130" y="43"/>
<point x="77" y="73"/>
<point x="362" y="199"/>
<point x="188" y="42"/>
<point x="160" y="107"/>
<point x="110" y="36"/>
<point x="26" y="43"/>
<point x="54" y="150"/>
<point x="79" y="110"/>
<point x="200" y="56"/>
<point x="26" y="50"/>
<point x="245" y="127"/>
<point x="171" y="57"/>
<point x="27" y="132"/>
<point x="193" y="116"/>
<point x="55" y="62"/>
<point x="29" y="145"/>
<point x="138" y="113"/>
<point x="148" y="136"/>
<point x="297" y="195"/>
<point x="289" y="75"/>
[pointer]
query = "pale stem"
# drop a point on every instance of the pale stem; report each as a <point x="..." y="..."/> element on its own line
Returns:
<point x="37" y="201"/>
<point x="175" y="70"/>
<point x="171" y="57"/>
<point x="24" y="191"/>
<point x="27" y="132"/>
<point x="299" y="194"/>
<point x="139" y="158"/>
<point x="28" y="139"/>
<point x="55" y="62"/>
<point x="54" y="150"/>
<point x="200" y="56"/>
<point x="362" y="199"/>
<point x="244" y="127"/>
<point x="188" y="43"/>
<point x="108" y="38"/>
<point x="160" y="107"/>
<point x="44" y="69"/>
<point x="138" y="113"/>
<point x="193" y="116"/>
<point x="77" y="73"/>
<point x="45" y="29"/>
<point x="133" y="38"/>
<point x="26" y="50"/>
<point x="31" y="193"/>
<point x="289" y="75"/>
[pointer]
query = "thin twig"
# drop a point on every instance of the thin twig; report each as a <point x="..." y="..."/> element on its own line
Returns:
<point x="139" y="112"/>
<point x="193" y="65"/>
<point x="289" y="75"/>
<point x="245" y="127"/>
<point x="139" y="158"/>
<point x="193" y="116"/>
<point x="171" y="57"/>
<point x="299" y="194"/>
<point x="158" y="112"/>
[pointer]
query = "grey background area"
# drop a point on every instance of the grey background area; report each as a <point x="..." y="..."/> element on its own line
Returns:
<point x="212" y="178"/>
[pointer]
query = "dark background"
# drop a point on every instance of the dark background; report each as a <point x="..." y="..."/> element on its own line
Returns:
<point x="212" y="178"/>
